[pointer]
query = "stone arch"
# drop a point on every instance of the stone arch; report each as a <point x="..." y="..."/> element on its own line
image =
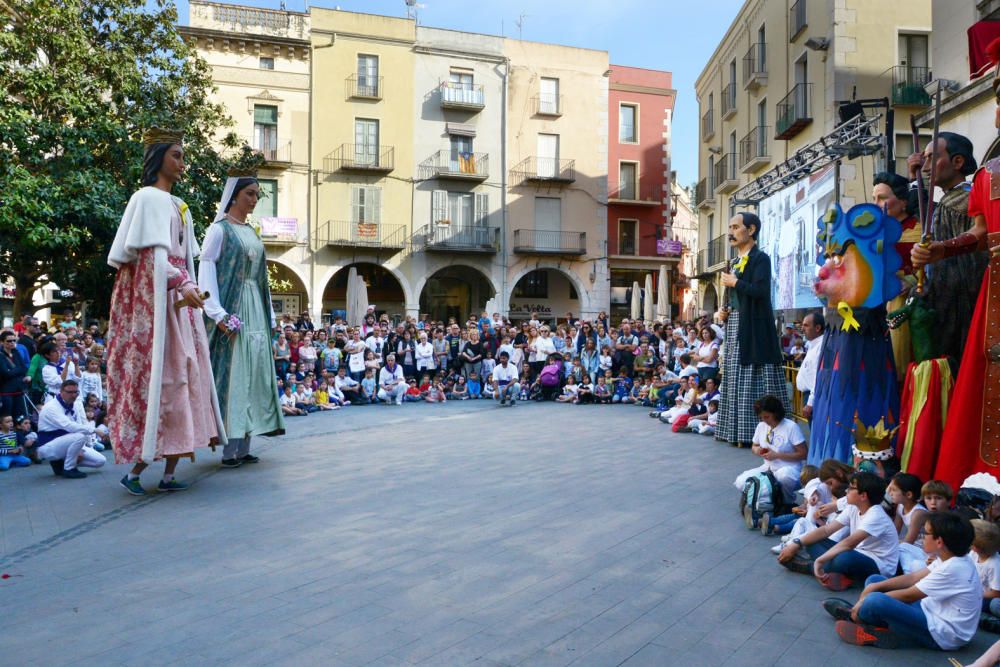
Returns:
<point x="582" y="293"/>
<point x="386" y="296"/>
<point x="710" y="299"/>
<point x="362" y="259"/>
<point x="461" y="296"/>
<point x="294" y="300"/>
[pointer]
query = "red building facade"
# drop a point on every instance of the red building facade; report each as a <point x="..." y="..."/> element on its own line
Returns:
<point x="641" y="103"/>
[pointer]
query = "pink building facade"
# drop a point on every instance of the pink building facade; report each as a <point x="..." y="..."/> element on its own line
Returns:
<point x="641" y="103"/>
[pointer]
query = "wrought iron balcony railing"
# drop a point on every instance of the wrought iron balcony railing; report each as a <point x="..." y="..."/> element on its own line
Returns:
<point x="359" y="234"/>
<point x="546" y="242"/>
<point x="361" y="157"/>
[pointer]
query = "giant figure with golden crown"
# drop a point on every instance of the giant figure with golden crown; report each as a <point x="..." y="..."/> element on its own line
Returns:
<point x="161" y="396"/>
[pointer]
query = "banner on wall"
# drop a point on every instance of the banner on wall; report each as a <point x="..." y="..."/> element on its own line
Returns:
<point x="788" y="235"/>
<point x="283" y="227"/>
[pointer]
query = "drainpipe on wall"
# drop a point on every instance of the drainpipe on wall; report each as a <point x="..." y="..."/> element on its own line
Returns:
<point x="503" y="301"/>
<point x="314" y="182"/>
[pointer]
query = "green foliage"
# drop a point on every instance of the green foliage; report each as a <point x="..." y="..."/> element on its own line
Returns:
<point x="79" y="82"/>
<point x="275" y="282"/>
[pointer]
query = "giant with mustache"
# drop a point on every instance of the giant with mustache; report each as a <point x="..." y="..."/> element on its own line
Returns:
<point x="752" y="360"/>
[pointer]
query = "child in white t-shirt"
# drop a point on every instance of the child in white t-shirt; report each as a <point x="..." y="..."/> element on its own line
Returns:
<point x="936" y="498"/>
<point x="90" y="380"/>
<point x="569" y="392"/>
<point x="948" y="592"/>
<point x="984" y="550"/>
<point x="780" y="443"/>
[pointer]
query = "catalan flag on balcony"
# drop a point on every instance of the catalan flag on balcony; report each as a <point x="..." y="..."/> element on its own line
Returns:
<point x="466" y="163"/>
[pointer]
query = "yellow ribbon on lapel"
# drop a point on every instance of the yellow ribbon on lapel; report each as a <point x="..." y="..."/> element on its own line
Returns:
<point x="847" y="313"/>
<point x="183" y="208"/>
<point x="741" y="263"/>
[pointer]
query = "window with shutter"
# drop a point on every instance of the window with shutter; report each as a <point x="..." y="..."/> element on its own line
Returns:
<point x="482" y="209"/>
<point x="439" y="207"/>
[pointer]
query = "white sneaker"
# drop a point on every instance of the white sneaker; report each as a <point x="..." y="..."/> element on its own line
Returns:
<point x="776" y="549"/>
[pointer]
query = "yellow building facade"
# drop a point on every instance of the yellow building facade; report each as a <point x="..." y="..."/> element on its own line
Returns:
<point x="774" y="85"/>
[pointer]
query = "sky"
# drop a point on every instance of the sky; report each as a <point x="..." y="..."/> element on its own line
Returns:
<point x="674" y="35"/>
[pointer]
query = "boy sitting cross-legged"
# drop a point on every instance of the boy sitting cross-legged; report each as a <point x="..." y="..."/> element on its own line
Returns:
<point x="870" y="547"/>
<point x="936" y="607"/>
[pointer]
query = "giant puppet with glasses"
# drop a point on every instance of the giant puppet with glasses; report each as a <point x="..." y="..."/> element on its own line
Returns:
<point x="162" y="401"/>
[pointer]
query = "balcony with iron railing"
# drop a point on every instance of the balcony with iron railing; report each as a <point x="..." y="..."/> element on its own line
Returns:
<point x="908" y="86"/>
<point x="704" y="192"/>
<point x="754" y="151"/>
<point x="715" y="255"/>
<point x="462" y="96"/>
<point x="755" y="66"/>
<point x="729" y="100"/>
<point x="456" y="166"/>
<point x="726" y="177"/>
<point x="632" y="194"/>
<point x="544" y="170"/>
<point x="459" y="238"/>
<point x="360" y="157"/>
<point x="794" y="112"/>
<point x="627" y="245"/>
<point x="547" y="104"/>
<point x="547" y="242"/>
<point x="360" y="234"/>
<point x="708" y="124"/>
<point x="363" y="87"/>
<point x="796" y="19"/>
<point x="275" y="156"/>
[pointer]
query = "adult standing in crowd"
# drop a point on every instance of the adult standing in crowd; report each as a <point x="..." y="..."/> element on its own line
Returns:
<point x="14" y="379"/>
<point x="233" y="272"/>
<point x="161" y="396"/>
<point x="752" y="360"/>
<point x="814" y="329"/>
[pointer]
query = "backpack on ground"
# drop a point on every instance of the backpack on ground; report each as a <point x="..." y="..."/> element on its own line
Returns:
<point x="549" y="377"/>
<point x="761" y="495"/>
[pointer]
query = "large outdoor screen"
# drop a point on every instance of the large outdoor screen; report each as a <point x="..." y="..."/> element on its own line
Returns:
<point x="788" y="236"/>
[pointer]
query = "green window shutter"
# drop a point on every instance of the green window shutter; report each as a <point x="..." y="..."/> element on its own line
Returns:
<point x="267" y="207"/>
<point x="265" y="115"/>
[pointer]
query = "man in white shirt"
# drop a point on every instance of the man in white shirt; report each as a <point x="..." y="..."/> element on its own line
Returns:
<point x="870" y="547"/>
<point x="348" y="387"/>
<point x="505" y="385"/>
<point x="814" y="329"/>
<point x="936" y="607"/>
<point x="64" y="434"/>
<point x="391" y="382"/>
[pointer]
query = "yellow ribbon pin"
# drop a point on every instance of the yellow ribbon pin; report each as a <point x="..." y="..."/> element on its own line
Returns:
<point x="741" y="263"/>
<point x="847" y="313"/>
<point x="183" y="208"/>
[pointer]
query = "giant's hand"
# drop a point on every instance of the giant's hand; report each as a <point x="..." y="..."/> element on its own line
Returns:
<point x="192" y="297"/>
<point x="922" y="256"/>
<point x="729" y="280"/>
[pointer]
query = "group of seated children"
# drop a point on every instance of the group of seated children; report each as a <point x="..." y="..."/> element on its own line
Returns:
<point x="930" y="576"/>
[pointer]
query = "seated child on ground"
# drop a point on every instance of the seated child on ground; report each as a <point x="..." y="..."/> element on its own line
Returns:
<point x="475" y="387"/>
<point x="936" y="496"/>
<point x="706" y="423"/>
<point x="585" y="393"/>
<point x="834" y="475"/>
<point x="936" y="607"/>
<point x="984" y="554"/>
<point x="10" y="454"/>
<point x="26" y="438"/>
<point x="288" y="403"/>
<point x="903" y="493"/>
<point x="569" y="392"/>
<point x="814" y="494"/>
<point x="870" y="547"/>
<point x="780" y="443"/>
<point x="322" y="398"/>
<point x="368" y="387"/>
<point x="623" y="388"/>
<point x="459" y="392"/>
<point x="602" y="392"/>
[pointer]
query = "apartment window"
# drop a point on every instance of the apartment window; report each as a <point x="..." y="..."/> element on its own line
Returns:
<point x="265" y="130"/>
<point x="627" y="237"/>
<point x="732" y="71"/>
<point x="548" y="97"/>
<point x="459" y="209"/>
<point x="535" y="285"/>
<point x="368" y="75"/>
<point x="711" y="102"/>
<point x="914" y="51"/>
<point x="266" y="63"/>
<point x="461" y="80"/>
<point x="711" y="226"/>
<point x="366" y="204"/>
<point x="366" y="141"/>
<point x="267" y="205"/>
<point x="627" y="124"/>
<point x="548" y="155"/>
<point x="627" y="176"/>
<point x="548" y="222"/>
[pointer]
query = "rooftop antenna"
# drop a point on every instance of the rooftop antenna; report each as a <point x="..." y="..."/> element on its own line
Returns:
<point x="520" y="24"/>
<point x="413" y="10"/>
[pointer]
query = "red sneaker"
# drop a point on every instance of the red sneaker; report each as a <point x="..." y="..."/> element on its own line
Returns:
<point x="836" y="581"/>
<point x="866" y="635"/>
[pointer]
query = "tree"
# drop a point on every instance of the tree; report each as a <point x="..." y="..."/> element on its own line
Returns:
<point x="79" y="82"/>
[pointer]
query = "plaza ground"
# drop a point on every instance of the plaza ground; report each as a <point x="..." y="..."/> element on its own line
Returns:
<point x="457" y="534"/>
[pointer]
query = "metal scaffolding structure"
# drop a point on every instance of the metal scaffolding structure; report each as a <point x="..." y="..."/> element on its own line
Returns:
<point x="854" y="138"/>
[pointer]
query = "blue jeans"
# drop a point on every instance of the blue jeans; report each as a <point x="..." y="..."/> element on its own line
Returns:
<point x="904" y="619"/>
<point x="782" y="525"/>
<point x="853" y="564"/>
<point x="8" y="461"/>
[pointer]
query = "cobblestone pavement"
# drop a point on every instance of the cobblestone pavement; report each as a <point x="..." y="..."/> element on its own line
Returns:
<point x="418" y="535"/>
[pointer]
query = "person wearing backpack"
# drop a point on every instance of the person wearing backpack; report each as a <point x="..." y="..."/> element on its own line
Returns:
<point x="779" y="441"/>
<point x="550" y="378"/>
